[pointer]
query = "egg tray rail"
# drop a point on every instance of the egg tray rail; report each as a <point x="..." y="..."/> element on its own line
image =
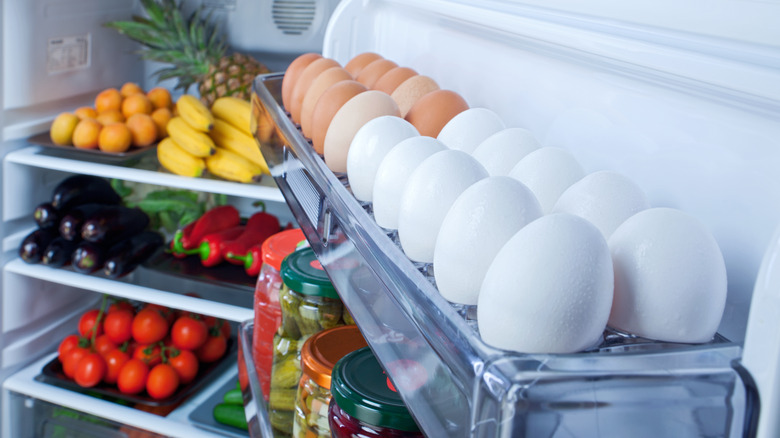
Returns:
<point x="455" y="384"/>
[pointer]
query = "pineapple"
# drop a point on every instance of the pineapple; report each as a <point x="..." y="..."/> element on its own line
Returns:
<point x="196" y="49"/>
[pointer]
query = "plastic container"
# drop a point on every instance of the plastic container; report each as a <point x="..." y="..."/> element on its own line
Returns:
<point x="268" y="314"/>
<point x="309" y="304"/>
<point x="319" y="355"/>
<point x="365" y="402"/>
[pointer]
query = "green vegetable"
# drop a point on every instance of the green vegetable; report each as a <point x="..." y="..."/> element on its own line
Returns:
<point x="233" y="397"/>
<point x="230" y="414"/>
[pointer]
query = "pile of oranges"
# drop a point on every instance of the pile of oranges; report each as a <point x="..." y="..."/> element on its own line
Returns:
<point x="120" y="119"/>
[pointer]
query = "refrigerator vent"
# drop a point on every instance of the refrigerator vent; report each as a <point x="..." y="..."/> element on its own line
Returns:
<point x="293" y="17"/>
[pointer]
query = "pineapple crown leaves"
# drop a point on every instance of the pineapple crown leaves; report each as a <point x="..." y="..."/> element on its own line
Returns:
<point x="189" y="44"/>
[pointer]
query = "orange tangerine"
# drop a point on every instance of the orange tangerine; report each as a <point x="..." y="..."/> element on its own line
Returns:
<point x="86" y="112"/>
<point x="115" y="137"/>
<point x="129" y="88"/>
<point x="86" y="134"/>
<point x="136" y="104"/>
<point x="62" y="128"/>
<point x="161" y="116"/>
<point x="108" y="99"/>
<point x="142" y="128"/>
<point x="110" y="116"/>
<point x="160" y="97"/>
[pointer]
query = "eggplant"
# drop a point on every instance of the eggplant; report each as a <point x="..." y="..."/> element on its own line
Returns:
<point x="34" y="244"/>
<point x="128" y="254"/>
<point x="81" y="189"/>
<point x="59" y="252"/>
<point x="71" y="223"/>
<point x="114" y="223"/>
<point x="88" y="257"/>
<point x="46" y="215"/>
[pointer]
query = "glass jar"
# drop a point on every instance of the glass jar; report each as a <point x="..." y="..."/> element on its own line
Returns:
<point x="268" y="313"/>
<point x="309" y="304"/>
<point x="319" y="355"/>
<point x="364" y="402"/>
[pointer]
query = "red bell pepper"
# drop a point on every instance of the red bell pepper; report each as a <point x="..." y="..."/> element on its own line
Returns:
<point x="252" y="260"/>
<point x="259" y="227"/>
<point x="217" y="219"/>
<point x="211" y="248"/>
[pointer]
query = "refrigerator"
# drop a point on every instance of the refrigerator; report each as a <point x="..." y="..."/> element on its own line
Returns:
<point x="681" y="98"/>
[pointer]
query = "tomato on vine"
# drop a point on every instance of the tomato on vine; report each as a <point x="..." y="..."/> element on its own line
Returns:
<point x="71" y="359"/>
<point x="151" y="354"/>
<point x="149" y="326"/>
<point x="90" y="370"/>
<point x="162" y="381"/>
<point x="118" y="325"/>
<point x="214" y="348"/>
<point x="67" y="344"/>
<point x="115" y="360"/>
<point x="103" y="344"/>
<point x="185" y="363"/>
<point x="132" y="376"/>
<point x="87" y="321"/>
<point x="189" y="332"/>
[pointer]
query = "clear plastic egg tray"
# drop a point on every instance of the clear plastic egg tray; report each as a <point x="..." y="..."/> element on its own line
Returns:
<point x="455" y="384"/>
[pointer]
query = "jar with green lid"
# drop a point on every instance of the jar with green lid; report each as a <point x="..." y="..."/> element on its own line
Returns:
<point x="364" y="402"/>
<point x="309" y="304"/>
<point x="319" y="355"/>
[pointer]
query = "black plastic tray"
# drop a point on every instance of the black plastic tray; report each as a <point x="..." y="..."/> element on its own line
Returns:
<point x="190" y="267"/>
<point x="44" y="139"/>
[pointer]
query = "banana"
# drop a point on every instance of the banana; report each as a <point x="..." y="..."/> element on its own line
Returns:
<point x="233" y="139"/>
<point x="178" y="161"/>
<point x="233" y="167"/>
<point x="235" y="111"/>
<point x="195" y="113"/>
<point x="191" y="140"/>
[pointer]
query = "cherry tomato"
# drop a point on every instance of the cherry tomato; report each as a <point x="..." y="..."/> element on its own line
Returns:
<point x="221" y="324"/>
<point x="118" y="325"/>
<point x="90" y="370"/>
<point x="149" y="326"/>
<point x="168" y="313"/>
<point x="150" y="354"/>
<point x="132" y="377"/>
<point x="189" y="333"/>
<point x="69" y="342"/>
<point x="121" y="305"/>
<point x="162" y="381"/>
<point x="103" y="344"/>
<point x="115" y="360"/>
<point x="185" y="363"/>
<point x="87" y="321"/>
<point x="213" y="349"/>
<point x="71" y="358"/>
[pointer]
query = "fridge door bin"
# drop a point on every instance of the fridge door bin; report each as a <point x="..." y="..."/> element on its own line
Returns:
<point x="448" y="377"/>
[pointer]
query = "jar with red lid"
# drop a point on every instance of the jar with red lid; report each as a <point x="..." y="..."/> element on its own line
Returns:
<point x="319" y="355"/>
<point x="364" y="403"/>
<point x="268" y="313"/>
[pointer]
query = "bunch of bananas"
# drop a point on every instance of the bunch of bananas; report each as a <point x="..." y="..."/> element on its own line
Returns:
<point x="217" y="140"/>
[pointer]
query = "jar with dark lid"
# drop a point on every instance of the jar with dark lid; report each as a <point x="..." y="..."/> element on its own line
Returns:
<point x="319" y="355"/>
<point x="309" y="304"/>
<point x="364" y="402"/>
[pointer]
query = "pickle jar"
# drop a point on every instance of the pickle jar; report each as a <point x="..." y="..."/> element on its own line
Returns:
<point x="268" y="313"/>
<point x="309" y="304"/>
<point x="319" y="355"/>
<point x="364" y="402"/>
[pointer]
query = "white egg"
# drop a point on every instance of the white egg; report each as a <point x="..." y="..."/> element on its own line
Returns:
<point x="428" y="195"/>
<point x="369" y="146"/>
<point x="393" y="173"/>
<point x="501" y="151"/>
<point x="604" y="198"/>
<point x="469" y="128"/>
<point x="549" y="288"/>
<point x="479" y="223"/>
<point x="548" y="172"/>
<point x="670" y="277"/>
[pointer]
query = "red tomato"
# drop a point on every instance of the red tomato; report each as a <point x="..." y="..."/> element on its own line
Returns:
<point x="150" y="354"/>
<point x="149" y="326"/>
<point x="90" y="370"/>
<point x="168" y="313"/>
<point x="118" y="325"/>
<point x="189" y="333"/>
<point x="71" y="360"/>
<point x="218" y="323"/>
<point x="162" y="381"/>
<point x="185" y="363"/>
<point x="213" y="349"/>
<point x="115" y="360"/>
<point x="103" y="344"/>
<point x="132" y="376"/>
<point x="121" y="305"/>
<point x="87" y="321"/>
<point x="69" y="342"/>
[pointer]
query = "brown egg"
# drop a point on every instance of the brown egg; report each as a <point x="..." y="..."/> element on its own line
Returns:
<point x="326" y="107"/>
<point x="389" y="81"/>
<point x="356" y="64"/>
<point x="292" y="74"/>
<point x="348" y="120"/>
<point x="434" y="110"/>
<point x="372" y="72"/>
<point x="411" y="90"/>
<point x="308" y="75"/>
<point x="322" y="83"/>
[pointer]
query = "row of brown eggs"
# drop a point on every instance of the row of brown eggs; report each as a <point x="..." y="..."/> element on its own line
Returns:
<point x="331" y="102"/>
